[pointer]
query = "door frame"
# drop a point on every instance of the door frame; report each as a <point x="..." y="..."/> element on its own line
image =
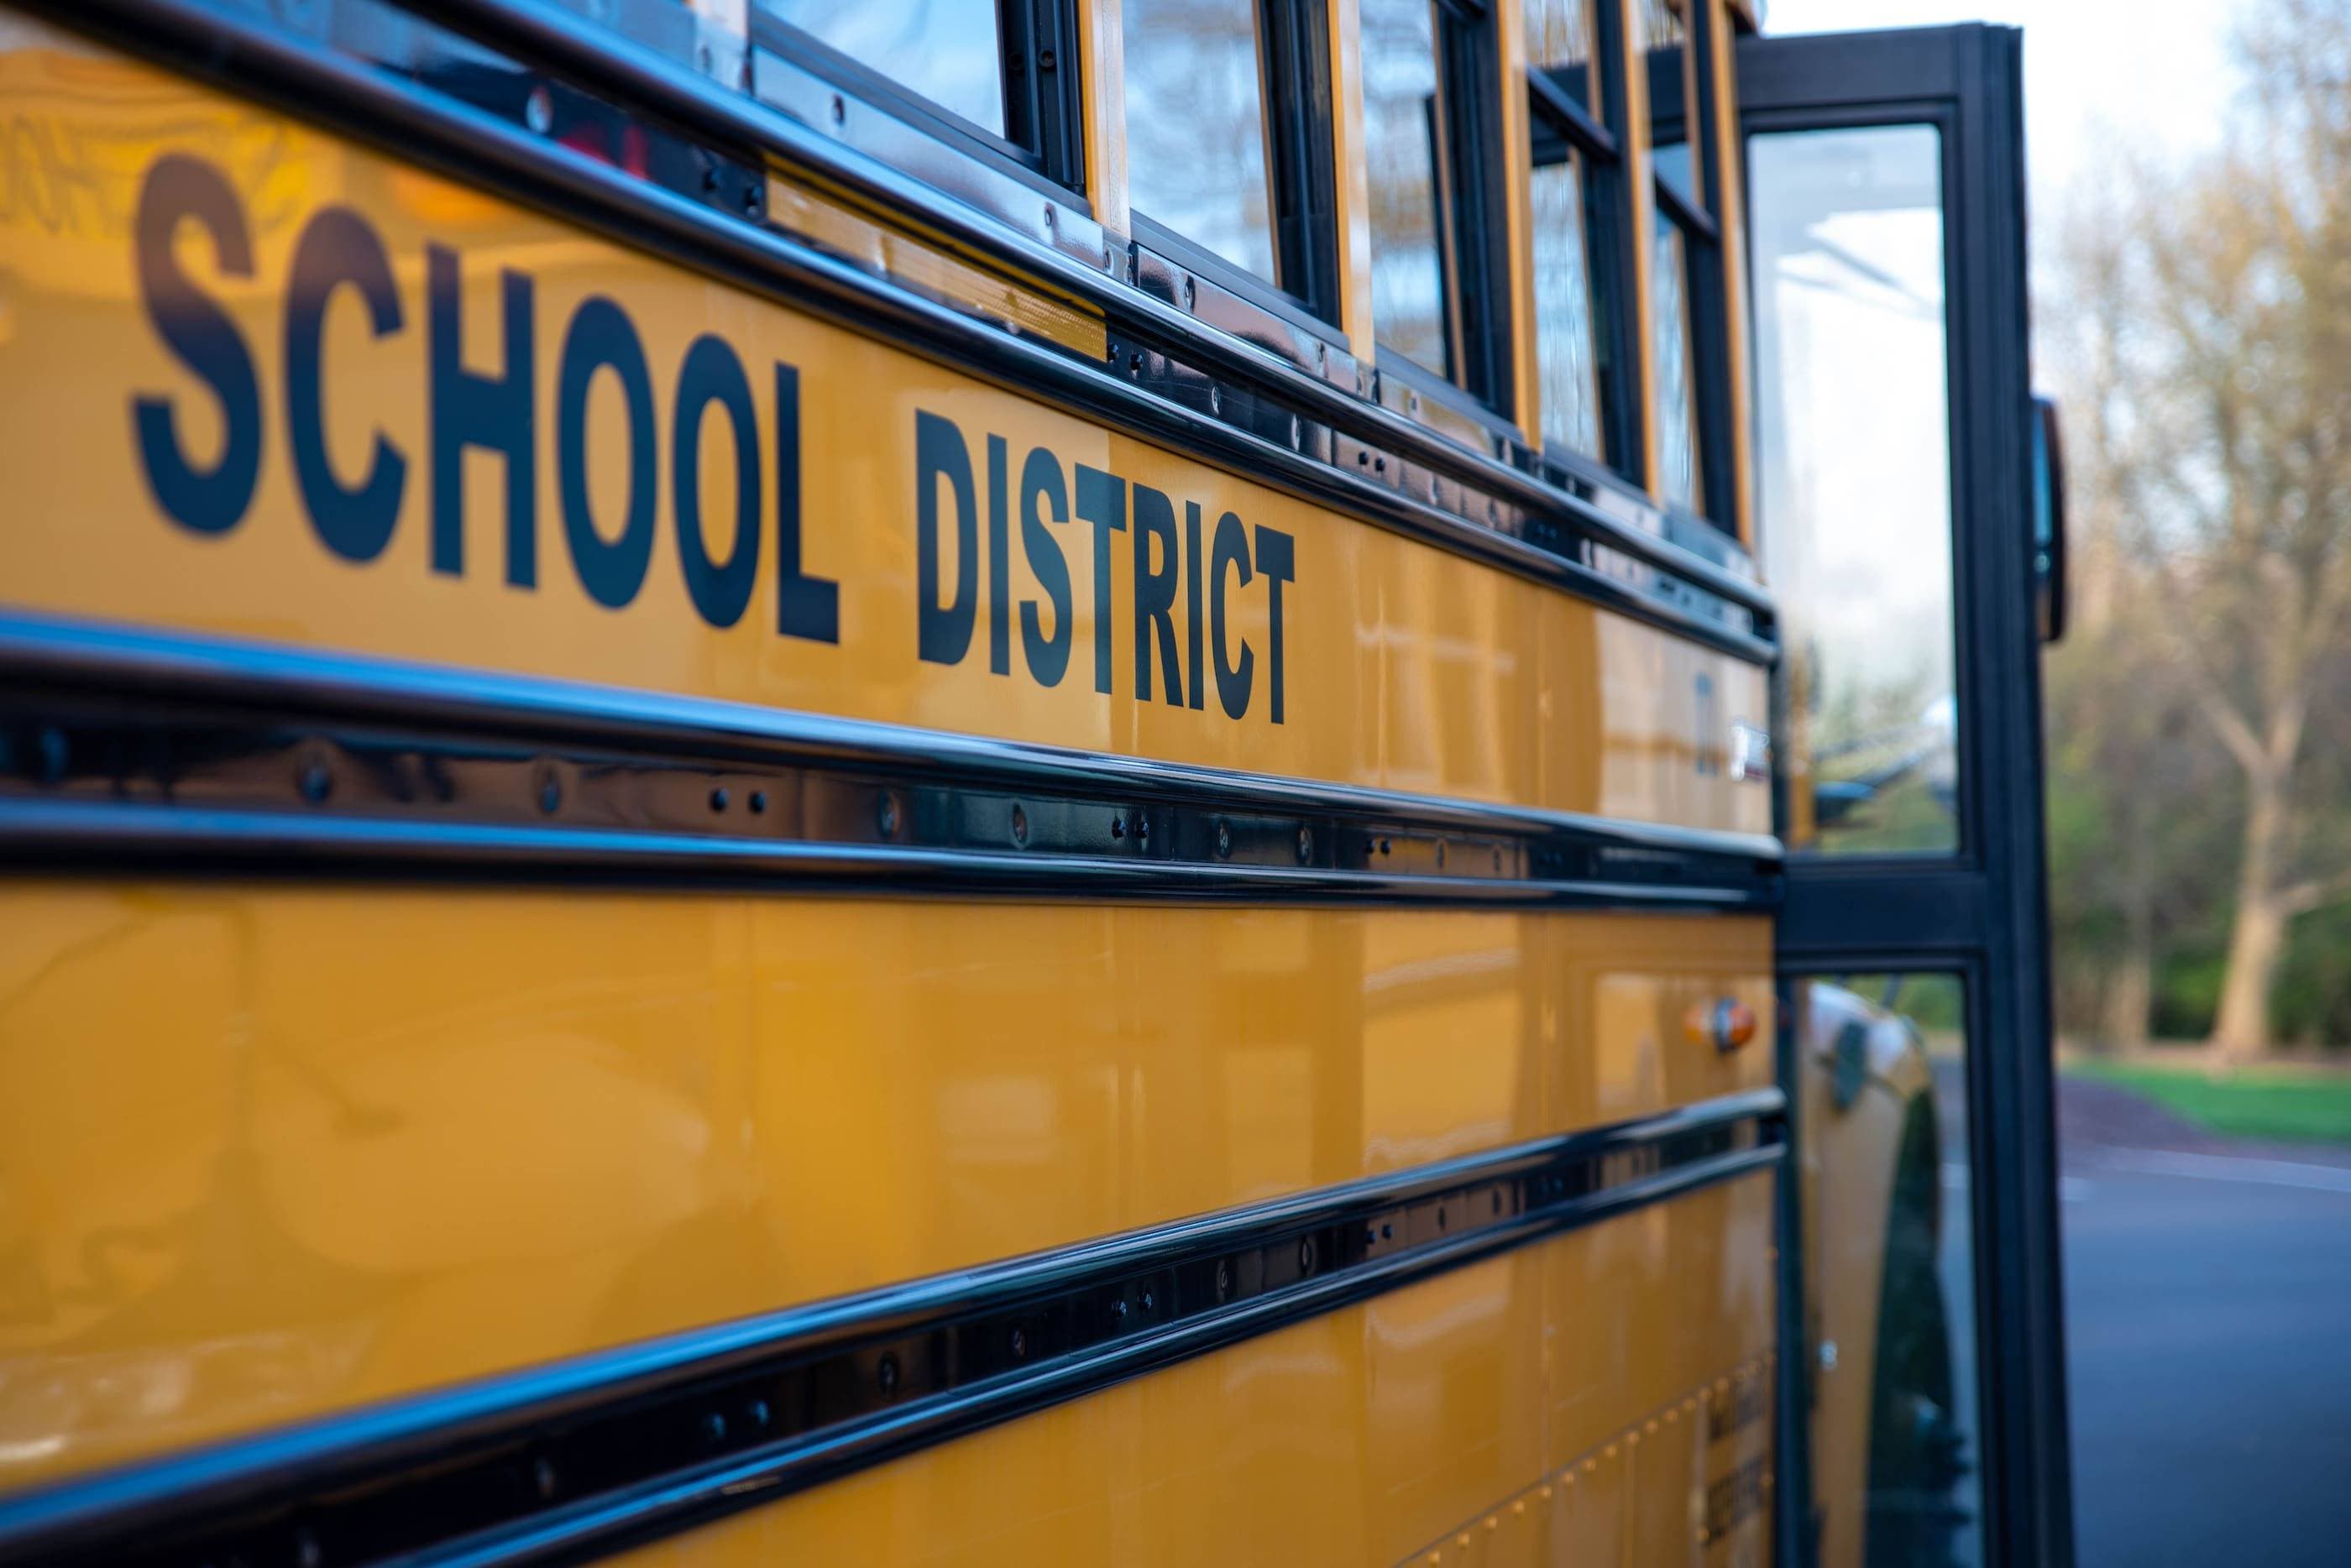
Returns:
<point x="1980" y="913"/>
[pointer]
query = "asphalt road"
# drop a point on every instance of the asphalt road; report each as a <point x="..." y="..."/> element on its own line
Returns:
<point x="2208" y="1321"/>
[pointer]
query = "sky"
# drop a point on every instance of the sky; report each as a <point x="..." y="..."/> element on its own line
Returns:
<point x="2153" y="71"/>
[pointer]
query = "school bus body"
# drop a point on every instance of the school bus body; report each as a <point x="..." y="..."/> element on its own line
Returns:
<point x="429" y="968"/>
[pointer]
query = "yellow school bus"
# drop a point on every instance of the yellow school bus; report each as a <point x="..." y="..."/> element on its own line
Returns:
<point x="1019" y="781"/>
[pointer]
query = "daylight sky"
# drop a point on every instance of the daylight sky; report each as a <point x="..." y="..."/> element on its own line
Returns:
<point x="2153" y="71"/>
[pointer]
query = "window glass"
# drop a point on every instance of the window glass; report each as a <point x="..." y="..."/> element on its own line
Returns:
<point x="1196" y="125"/>
<point x="1676" y="401"/>
<point x="1404" y="145"/>
<point x="1564" y="346"/>
<point x="1854" y="452"/>
<point x="949" y="51"/>
<point x="1560" y="40"/>
<point x="1897" y="1448"/>
<point x="1673" y="92"/>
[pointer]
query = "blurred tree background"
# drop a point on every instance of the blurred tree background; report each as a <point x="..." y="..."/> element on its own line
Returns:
<point x="2197" y="330"/>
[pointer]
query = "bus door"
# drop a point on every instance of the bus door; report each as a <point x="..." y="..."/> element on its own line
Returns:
<point x="1894" y="477"/>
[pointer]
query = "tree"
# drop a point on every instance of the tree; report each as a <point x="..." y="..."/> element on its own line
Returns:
<point x="2236" y="494"/>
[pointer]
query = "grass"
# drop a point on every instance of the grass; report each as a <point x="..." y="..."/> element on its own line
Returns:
<point x="2279" y="1103"/>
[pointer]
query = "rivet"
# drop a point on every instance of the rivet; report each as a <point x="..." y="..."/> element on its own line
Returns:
<point x="1135" y="360"/>
<point x="718" y="798"/>
<point x="1306" y="1255"/>
<point x="1493" y="1521"/>
<point x="1141" y="829"/>
<point x="539" y="111"/>
<point x="1387" y="1229"/>
<point x="1652" y="1427"/>
<point x="714" y="1427"/>
<point x="317" y="783"/>
<point x="886" y="1374"/>
<point x="306" y="1551"/>
<point x="758" y="802"/>
<point x="1385" y="847"/>
<point x="1379" y="465"/>
<point x="1297" y="434"/>
<point x="1462" y="1540"/>
<point x="1020" y="1344"/>
<point x="1519" y="1506"/>
<point x="1224" y="1278"/>
<point x="1305" y="845"/>
<point x="750" y="198"/>
<point x="1150" y="1301"/>
<point x="1497" y="862"/>
<point x="542" y="1476"/>
<point x="1322" y="356"/>
<point x="839" y="109"/>
<point x="886" y="817"/>
<point x="1118" y="1310"/>
<point x="1190" y="291"/>
<point x="1049" y="215"/>
<point x="550" y="791"/>
<point x="1118" y="827"/>
<point x="1440" y="1216"/>
<point x="756" y="1414"/>
<point x="1019" y="824"/>
<point x="1224" y="840"/>
<point x="1545" y="1494"/>
<point x="1412" y="404"/>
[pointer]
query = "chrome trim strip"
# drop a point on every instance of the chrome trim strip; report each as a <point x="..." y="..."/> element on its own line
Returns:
<point x="119" y="744"/>
<point x="243" y="54"/>
<point x="920" y="1363"/>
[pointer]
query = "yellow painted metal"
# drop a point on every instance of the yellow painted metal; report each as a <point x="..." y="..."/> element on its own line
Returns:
<point x="1421" y="1427"/>
<point x="1352" y="180"/>
<point x="1404" y="665"/>
<point x="931" y="269"/>
<point x="265" y="1153"/>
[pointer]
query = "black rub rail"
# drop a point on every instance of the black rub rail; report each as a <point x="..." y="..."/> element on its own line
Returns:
<point x="129" y="749"/>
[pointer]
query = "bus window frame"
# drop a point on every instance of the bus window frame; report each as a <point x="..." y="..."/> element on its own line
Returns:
<point x="1559" y="127"/>
<point x="1044" y="144"/>
<point x="1297" y="98"/>
<point x="1473" y="238"/>
<point x="1705" y="267"/>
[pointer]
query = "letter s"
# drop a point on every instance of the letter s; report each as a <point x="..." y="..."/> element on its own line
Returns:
<point x="201" y="334"/>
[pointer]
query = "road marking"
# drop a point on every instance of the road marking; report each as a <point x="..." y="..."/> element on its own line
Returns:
<point x="2223" y="1168"/>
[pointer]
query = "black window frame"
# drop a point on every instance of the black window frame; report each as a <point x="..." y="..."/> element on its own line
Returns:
<point x="1706" y="278"/>
<point x="1044" y="92"/>
<point x="1297" y="98"/>
<point x="1558" y="123"/>
<point x="1473" y="239"/>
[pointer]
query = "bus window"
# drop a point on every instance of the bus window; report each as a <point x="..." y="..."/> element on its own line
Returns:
<point x="999" y="80"/>
<point x="1228" y="138"/>
<point x="1566" y="334"/>
<point x="1852" y="364"/>
<point x="1423" y="129"/>
<point x="1562" y="41"/>
<point x="1196" y="142"/>
<point x="1684" y="256"/>
<point x="949" y="51"/>
<point x="1579" y="207"/>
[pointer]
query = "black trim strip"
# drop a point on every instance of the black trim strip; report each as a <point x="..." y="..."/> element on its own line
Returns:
<point x="119" y="745"/>
<point x="605" y="1451"/>
<point x="1358" y="455"/>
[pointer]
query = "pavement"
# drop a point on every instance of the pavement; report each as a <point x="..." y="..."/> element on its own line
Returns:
<point x="2208" y="1288"/>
